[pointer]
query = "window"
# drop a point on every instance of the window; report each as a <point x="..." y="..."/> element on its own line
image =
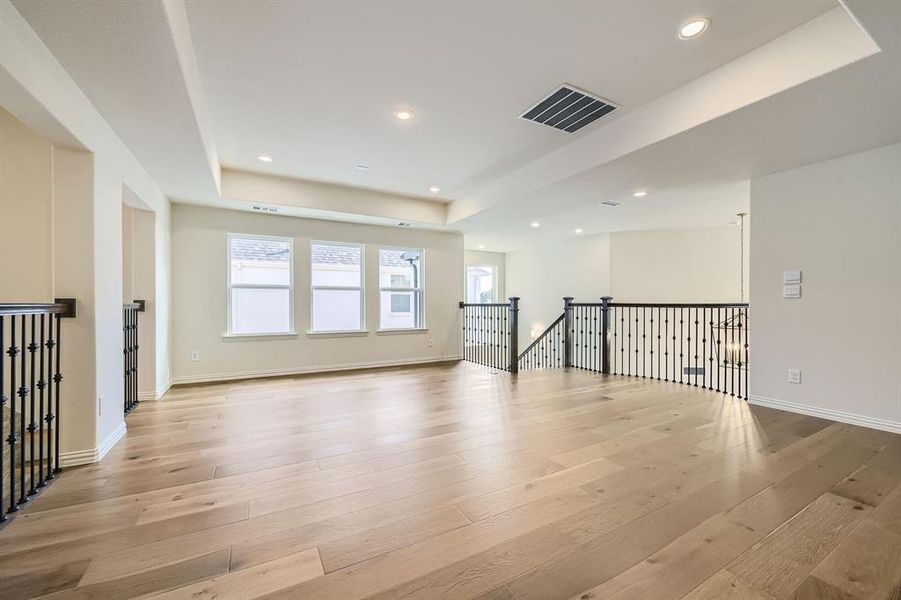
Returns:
<point x="400" y="288"/>
<point x="480" y="286"/>
<point x="260" y="285"/>
<point x="337" y="286"/>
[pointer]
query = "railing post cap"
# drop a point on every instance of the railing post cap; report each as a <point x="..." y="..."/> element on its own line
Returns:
<point x="462" y="304"/>
<point x="568" y="300"/>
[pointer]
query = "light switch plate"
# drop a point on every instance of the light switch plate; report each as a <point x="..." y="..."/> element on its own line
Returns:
<point x="794" y="375"/>
<point x="791" y="277"/>
<point x="791" y="291"/>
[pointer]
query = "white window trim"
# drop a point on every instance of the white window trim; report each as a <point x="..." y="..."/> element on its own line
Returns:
<point x="229" y="330"/>
<point x="494" y="277"/>
<point x="422" y="326"/>
<point x="361" y="289"/>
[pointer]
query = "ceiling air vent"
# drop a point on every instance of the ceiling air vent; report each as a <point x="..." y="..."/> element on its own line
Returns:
<point x="609" y="202"/>
<point x="568" y="109"/>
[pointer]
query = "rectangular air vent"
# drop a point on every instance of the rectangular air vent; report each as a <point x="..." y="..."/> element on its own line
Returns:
<point x="609" y="202"/>
<point x="568" y="109"/>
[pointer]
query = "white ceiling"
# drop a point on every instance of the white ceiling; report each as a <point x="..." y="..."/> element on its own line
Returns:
<point x="314" y="84"/>
<point x="191" y="85"/>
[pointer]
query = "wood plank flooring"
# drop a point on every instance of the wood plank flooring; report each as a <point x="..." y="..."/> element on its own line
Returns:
<point x="455" y="481"/>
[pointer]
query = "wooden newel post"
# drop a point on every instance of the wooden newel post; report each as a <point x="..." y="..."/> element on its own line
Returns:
<point x="514" y="334"/>
<point x="605" y="334"/>
<point x="568" y="331"/>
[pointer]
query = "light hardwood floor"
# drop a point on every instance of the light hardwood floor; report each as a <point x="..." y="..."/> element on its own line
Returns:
<point x="453" y="481"/>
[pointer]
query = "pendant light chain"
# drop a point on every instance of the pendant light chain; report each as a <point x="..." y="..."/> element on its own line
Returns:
<point x="741" y="217"/>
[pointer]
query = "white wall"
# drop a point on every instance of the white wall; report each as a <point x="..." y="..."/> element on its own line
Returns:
<point x="199" y="298"/>
<point x="839" y="222"/>
<point x="543" y="273"/>
<point x="679" y="265"/>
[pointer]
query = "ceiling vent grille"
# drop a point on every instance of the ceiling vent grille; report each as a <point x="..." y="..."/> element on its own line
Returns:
<point x="568" y="109"/>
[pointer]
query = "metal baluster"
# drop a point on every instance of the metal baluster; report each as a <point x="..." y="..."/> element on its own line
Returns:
<point x="51" y="345"/>
<point x="32" y="427"/>
<point x="636" y="342"/>
<point x="681" y="343"/>
<point x="42" y="384"/>
<point x="731" y="349"/>
<point x="644" y="344"/>
<point x="2" y="409"/>
<point x="666" y="343"/>
<point x="747" y="345"/>
<point x="13" y="351"/>
<point x="23" y="395"/>
<point x="658" y="343"/>
<point x="704" y="347"/>
<point x="57" y="377"/>
<point x="629" y="343"/>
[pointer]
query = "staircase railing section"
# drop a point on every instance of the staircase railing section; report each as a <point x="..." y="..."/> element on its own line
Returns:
<point x="30" y="381"/>
<point x="490" y="335"/>
<point x="548" y="350"/>
<point x="700" y="344"/>
<point x="130" y="352"/>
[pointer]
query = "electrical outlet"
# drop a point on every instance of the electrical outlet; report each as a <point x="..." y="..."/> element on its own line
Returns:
<point x="431" y="342"/>
<point x="794" y="375"/>
<point x="195" y="356"/>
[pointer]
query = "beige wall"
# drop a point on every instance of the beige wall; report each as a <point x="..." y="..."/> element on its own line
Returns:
<point x="680" y="265"/>
<point x="495" y="259"/>
<point x="26" y="204"/>
<point x="199" y="298"/>
<point x="838" y="222"/>
<point x="91" y="168"/>
<point x="543" y="273"/>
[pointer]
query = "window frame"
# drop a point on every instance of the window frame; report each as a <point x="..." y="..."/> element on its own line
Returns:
<point x="494" y="277"/>
<point x="361" y="288"/>
<point x="420" y="317"/>
<point x="230" y="332"/>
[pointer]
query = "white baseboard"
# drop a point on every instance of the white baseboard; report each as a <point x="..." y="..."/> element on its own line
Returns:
<point x="828" y="413"/>
<point x="309" y="370"/>
<point x="86" y="457"/>
<point x="147" y="396"/>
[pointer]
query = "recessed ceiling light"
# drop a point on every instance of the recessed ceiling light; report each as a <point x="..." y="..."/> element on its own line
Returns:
<point x="404" y="114"/>
<point x="264" y="158"/>
<point x="694" y="28"/>
<point x="579" y="231"/>
<point x="361" y="167"/>
<point x="535" y="224"/>
<point x="640" y="194"/>
<point x="481" y="246"/>
<point x="434" y="189"/>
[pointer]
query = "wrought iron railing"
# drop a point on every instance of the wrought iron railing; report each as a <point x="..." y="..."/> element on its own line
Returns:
<point x="547" y="351"/>
<point x="490" y="335"/>
<point x="130" y="352"/>
<point x="30" y="380"/>
<point x="703" y="345"/>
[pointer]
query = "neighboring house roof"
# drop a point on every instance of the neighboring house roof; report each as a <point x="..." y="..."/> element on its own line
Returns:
<point x="272" y="250"/>
<point x="258" y="249"/>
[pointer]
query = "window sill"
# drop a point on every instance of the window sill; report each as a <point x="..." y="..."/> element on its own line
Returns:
<point x="410" y="331"/>
<point x="337" y="334"/>
<point x="258" y="336"/>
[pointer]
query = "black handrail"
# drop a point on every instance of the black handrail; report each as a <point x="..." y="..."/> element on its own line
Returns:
<point x="30" y="356"/>
<point x="543" y="335"/>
